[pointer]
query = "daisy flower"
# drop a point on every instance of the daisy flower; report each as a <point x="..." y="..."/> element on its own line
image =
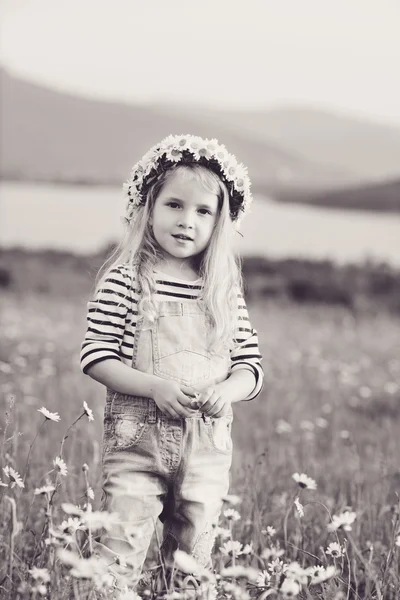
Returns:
<point x="169" y="141"/>
<point x="304" y="481"/>
<point x="299" y="507"/>
<point x="230" y="172"/>
<point x="295" y="572"/>
<point x="42" y="575"/>
<point x="60" y="466"/>
<point x="289" y="588"/>
<point x="248" y="549"/>
<point x="321" y="574"/>
<point x="49" y="416"/>
<point x="71" y="525"/>
<point x="345" y="520"/>
<point x="88" y="412"/>
<point x="397" y="542"/>
<point x="334" y="549"/>
<point x="223" y="532"/>
<point x="93" y="568"/>
<point x="206" y="152"/>
<point x="307" y="425"/>
<point x="126" y="186"/>
<point x="263" y="579"/>
<point x="14" y="476"/>
<point x="272" y="553"/>
<point x="282" y="427"/>
<point x="173" y="155"/>
<point x="183" y="142"/>
<point x="71" y="509"/>
<point x="221" y="153"/>
<point x="187" y="563"/>
<point x="195" y="142"/>
<point x="271" y="531"/>
<point x="240" y="184"/>
<point x="231" y="548"/>
<point x="277" y="566"/>
<point x="231" y="514"/>
<point x="212" y="146"/>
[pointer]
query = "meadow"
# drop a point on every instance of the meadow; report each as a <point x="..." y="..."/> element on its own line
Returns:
<point x="329" y="412"/>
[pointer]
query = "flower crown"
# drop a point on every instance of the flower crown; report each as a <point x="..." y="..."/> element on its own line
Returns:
<point x="177" y="150"/>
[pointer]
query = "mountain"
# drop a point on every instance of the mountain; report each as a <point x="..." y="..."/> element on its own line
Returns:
<point x="383" y="196"/>
<point x="364" y="149"/>
<point x="48" y="135"/>
<point x="292" y="155"/>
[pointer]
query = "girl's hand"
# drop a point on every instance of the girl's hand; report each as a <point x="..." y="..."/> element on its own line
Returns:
<point x="214" y="402"/>
<point x="173" y="398"/>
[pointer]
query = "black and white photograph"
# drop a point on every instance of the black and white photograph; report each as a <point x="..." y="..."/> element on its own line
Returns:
<point x="200" y="300"/>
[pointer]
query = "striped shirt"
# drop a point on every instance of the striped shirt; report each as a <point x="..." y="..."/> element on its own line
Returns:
<point x="112" y="317"/>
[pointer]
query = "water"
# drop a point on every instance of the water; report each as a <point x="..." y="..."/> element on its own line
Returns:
<point x="85" y="218"/>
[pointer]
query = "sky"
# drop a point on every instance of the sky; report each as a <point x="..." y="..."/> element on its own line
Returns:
<point x="239" y="54"/>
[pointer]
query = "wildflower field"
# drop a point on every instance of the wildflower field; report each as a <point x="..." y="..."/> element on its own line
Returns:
<point x="314" y="506"/>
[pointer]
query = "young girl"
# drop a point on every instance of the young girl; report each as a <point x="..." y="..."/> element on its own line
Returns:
<point x="170" y="338"/>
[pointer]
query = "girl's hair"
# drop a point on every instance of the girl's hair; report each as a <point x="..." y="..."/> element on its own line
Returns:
<point x="218" y="264"/>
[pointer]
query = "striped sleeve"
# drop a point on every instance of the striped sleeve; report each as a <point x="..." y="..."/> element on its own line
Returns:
<point x="247" y="354"/>
<point x="106" y="318"/>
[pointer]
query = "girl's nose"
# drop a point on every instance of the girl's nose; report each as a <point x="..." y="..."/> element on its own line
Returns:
<point x="185" y="220"/>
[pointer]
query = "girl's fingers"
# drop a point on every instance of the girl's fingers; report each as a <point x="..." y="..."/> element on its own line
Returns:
<point x="218" y="410"/>
<point x="182" y="410"/>
<point x="205" y="396"/>
<point x="189" y="391"/>
<point x="185" y="400"/>
<point x="207" y="407"/>
<point x="172" y="413"/>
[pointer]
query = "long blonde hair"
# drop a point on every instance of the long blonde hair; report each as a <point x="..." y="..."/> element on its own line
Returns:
<point x="218" y="264"/>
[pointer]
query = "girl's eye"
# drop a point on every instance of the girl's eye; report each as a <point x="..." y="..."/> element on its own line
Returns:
<point x="201" y="210"/>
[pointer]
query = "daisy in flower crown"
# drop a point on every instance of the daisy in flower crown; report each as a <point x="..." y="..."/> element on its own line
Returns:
<point x="170" y="337"/>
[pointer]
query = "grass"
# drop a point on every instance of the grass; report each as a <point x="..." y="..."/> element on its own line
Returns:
<point x="330" y="409"/>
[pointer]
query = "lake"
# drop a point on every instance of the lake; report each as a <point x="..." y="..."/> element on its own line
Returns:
<point x="85" y="218"/>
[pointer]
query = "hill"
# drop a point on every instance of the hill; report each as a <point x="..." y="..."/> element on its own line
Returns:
<point x="54" y="136"/>
<point x="383" y="196"/>
<point x="293" y="155"/>
<point x="364" y="150"/>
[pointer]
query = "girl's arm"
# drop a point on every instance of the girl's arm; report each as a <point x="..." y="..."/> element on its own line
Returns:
<point x="119" y="377"/>
<point x="239" y="385"/>
<point x="246" y="358"/>
<point x="171" y="397"/>
<point x="245" y="380"/>
<point x="107" y="317"/>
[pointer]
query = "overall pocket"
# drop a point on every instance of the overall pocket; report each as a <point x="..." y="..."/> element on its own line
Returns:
<point x="123" y="432"/>
<point x="180" y="348"/>
<point x="219" y="432"/>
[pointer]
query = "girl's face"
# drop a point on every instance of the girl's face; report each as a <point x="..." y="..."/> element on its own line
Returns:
<point x="183" y="219"/>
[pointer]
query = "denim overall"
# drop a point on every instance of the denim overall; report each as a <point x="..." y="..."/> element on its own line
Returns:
<point x="155" y="466"/>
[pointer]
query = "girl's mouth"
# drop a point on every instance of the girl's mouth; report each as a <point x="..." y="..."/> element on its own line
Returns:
<point x="182" y="238"/>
